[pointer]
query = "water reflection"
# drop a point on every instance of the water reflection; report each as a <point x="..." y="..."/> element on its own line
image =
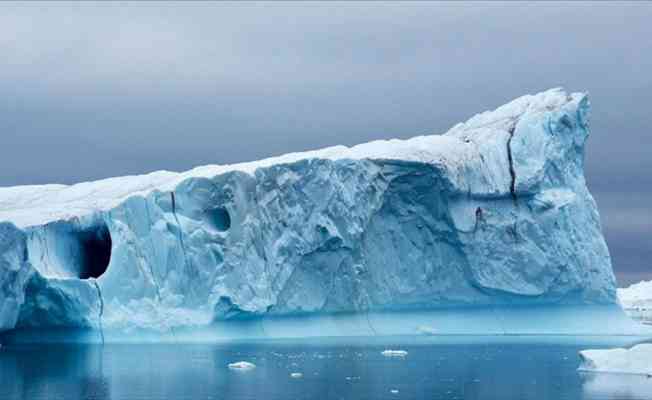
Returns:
<point x="434" y="370"/>
<point x="44" y="372"/>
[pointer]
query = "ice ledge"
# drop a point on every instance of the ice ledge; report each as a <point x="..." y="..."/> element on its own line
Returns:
<point x="536" y="322"/>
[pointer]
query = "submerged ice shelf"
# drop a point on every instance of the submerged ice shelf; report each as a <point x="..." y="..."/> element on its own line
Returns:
<point x="492" y="216"/>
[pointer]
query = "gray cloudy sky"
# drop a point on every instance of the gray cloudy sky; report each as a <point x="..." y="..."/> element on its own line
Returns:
<point x="96" y="90"/>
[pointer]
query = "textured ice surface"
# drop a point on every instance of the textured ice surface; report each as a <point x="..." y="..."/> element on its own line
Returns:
<point x="637" y="301"/>
<point x="493" y="214"/>
<point x="637" y="360"/>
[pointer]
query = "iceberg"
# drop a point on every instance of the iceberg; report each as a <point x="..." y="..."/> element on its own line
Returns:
<point x="636" y="300"/>
<point x="488" y="228"/>
<point x="637" y="360"/>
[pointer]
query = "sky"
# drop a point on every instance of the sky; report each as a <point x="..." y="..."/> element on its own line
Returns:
<point x="92" y="90"/>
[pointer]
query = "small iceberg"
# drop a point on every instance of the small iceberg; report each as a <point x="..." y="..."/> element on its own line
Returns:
<point x="394" y="353"/>
<point x="426" y="330"/>
<point x="296" y="375"/>
<point x="636" y="361"/>
<point x="636" y="300"/>
<point x="242" y="366"/>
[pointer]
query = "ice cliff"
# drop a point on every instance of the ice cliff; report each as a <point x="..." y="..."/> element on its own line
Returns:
<point x="495" y="212"/>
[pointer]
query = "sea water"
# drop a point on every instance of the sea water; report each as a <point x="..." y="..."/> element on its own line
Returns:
<point x="432" y="368"/>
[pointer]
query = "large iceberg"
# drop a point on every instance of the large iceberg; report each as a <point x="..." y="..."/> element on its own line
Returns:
<point x="492" y="215"/>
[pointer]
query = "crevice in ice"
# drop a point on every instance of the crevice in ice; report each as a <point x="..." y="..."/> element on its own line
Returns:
<point x="478" y="219"/>
<point x="510" y="159"/>
<point x="101" y="313"/>
<point x="183" y="246"/>
<point x="513" y="231"/>
<point x="149" y="265"/>
<point x="155" y="282"/>
<point x="190" y="272"/>
<point x="46" y="248"/>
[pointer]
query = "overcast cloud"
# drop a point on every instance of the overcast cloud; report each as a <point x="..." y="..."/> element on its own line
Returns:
<point x="96" y="90"/>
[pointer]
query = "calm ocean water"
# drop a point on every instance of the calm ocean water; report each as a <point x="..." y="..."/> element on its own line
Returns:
<point x="433" y="369"/>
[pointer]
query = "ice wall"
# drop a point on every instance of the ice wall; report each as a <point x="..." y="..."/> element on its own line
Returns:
<point x="494" y="213"/>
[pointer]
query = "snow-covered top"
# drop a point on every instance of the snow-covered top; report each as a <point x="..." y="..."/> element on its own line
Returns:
<point x="35" y="205"/>
<point x="638" y="295"/>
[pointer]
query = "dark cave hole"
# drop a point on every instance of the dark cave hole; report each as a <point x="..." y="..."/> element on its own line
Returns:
<point x="95" y="251"/>
<point x="220" y="219"/>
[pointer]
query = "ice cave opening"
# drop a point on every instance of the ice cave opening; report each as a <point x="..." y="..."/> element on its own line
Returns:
<point x="95" y="251"/>
<point x="219" y="218"/>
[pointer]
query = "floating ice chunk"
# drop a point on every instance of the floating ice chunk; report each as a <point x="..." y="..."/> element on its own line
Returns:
<point x="636" y="295"/>
<point x="296" y="375"/>
<point x="242" y="366"/>
<point x="394" y="391"/>
<point x="637" y="360"/>
<point x="636" y="300"/>
<point x="394" y="353"/>
<point x="426" y="330"/>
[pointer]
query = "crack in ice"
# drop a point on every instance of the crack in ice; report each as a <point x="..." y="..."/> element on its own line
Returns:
<point x="101" y="312"/>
